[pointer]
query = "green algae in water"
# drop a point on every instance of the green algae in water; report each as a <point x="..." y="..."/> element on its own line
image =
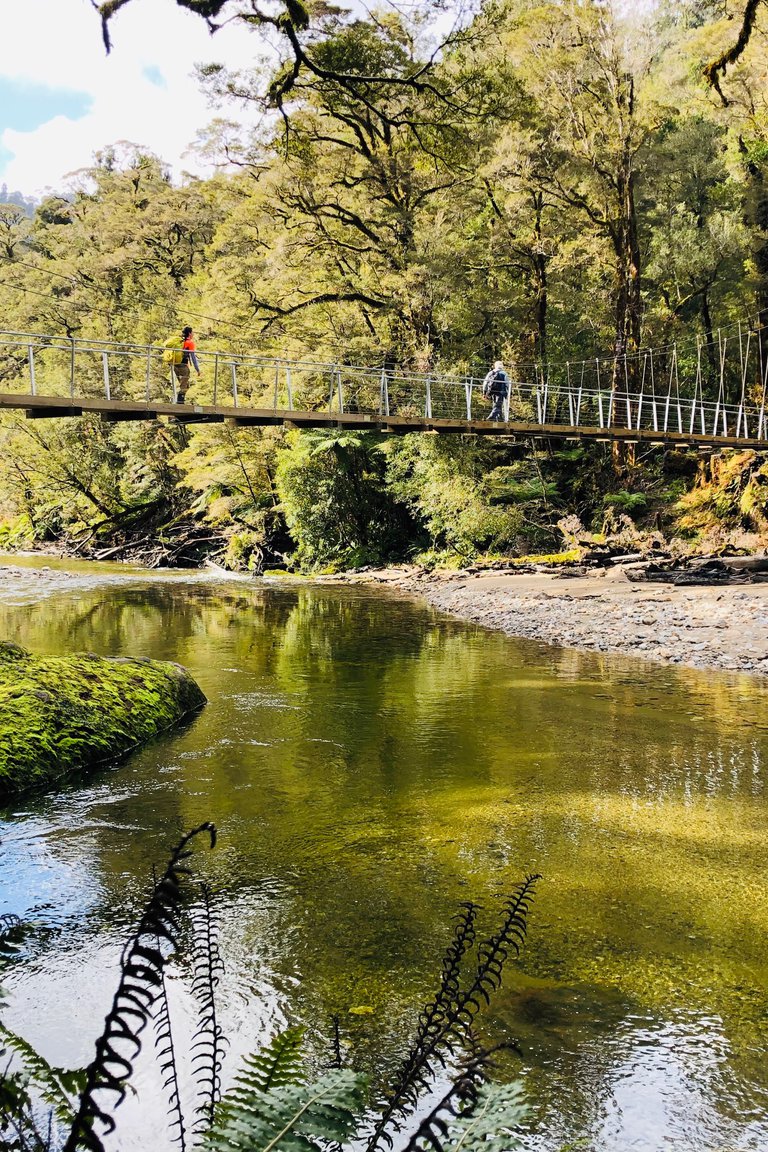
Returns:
<point x="61" y="714"/>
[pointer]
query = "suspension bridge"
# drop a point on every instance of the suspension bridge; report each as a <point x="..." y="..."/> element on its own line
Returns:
<point x="710" y="397"/>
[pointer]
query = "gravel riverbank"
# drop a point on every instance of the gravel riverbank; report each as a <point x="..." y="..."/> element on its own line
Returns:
<point x="724" y="627"/>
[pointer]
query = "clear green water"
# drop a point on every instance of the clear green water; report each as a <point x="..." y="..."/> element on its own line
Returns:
<point x="370" y="763"/>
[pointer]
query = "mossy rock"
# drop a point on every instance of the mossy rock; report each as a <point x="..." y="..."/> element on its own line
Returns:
<point x="61" y="714"/>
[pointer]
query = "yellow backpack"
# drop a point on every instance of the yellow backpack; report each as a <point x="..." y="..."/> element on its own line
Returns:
<point x="173" y="350"/>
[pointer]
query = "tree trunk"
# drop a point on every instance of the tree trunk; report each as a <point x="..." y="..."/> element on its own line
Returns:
<point x="626" y="245"/>
<point x="756" y="216"/>
<point x="627" y="253"/>
<point x="540" y="285"/>
<point x="706" y="320"/>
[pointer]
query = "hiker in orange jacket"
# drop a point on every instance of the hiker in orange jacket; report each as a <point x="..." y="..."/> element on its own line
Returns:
<point x="189" y="349"/>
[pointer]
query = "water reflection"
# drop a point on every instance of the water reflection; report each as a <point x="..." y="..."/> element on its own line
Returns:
<point x="369" y="764"/>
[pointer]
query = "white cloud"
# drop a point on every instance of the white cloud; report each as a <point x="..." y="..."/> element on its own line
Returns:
<point x="58" y="43"/>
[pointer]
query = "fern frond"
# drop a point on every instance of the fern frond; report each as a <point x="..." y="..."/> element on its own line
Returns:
<point x="417" y="1066"/>
<point x="18" y="1127"/>
<point x="484" y="1125"/>
<point x="274" y="1066"/>
<point x="169" y="1069"/>
<point x="139" y="987"/>
<point x="292" y="1118"/>
<point x="337" y="1060"/>
<point x="493" y="954"/>
<point x="58" y="1087"/>
<point x="208" y="1042"/>
<point x="445" y="1023"/>
<point x="9" y="921"/>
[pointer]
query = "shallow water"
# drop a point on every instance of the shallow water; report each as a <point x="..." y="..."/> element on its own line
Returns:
<point x="369" y="764"/>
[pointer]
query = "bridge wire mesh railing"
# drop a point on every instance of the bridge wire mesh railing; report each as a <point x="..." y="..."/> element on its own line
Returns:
<point x="716" y="388"/>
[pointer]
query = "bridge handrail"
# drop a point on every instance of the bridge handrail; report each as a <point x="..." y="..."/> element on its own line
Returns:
<point x="672" y="401"/>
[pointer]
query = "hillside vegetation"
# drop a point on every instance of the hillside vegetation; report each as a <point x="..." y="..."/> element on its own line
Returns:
<point x="547" y="182"/>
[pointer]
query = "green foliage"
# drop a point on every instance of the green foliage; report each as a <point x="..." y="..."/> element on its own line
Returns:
<point x="488" y="1123"/>
<point x="731" y="494"/>
<point x="450" y="489"/>
<point x="278" y="1064"/>
<point x="548" y="185"/>
<point x="631" y="503"/>
<point x="335" y="501"/>
<point x="288" y="1118"/>
<point x="272" y="1105"/>
<point x="58" y="1088"/>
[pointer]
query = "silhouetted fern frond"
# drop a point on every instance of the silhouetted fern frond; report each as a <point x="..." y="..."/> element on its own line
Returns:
<point x="208" y="1041"/>
<point x="169" y="1068"/>
<point x="494" y="952"/>
<point x="417" y="1065"/>
<point x="446" y="1022"/>
<point x="337" y="1060"/>
<point x="9" y="921"/>
<point x="288" y="1118"/>
<point x="140" y="984"/>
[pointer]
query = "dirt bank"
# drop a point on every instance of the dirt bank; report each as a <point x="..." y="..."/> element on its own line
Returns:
<point x="723" y="627"/>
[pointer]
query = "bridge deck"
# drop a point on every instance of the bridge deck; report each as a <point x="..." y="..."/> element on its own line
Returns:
<point x="52" y="407"/>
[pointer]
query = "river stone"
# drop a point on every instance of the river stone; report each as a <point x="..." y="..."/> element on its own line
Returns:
<point x="61" y="714"/>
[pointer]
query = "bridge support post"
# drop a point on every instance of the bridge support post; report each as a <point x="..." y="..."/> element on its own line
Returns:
<point x="234" y="383"/>
<point x="571" y="412"/>
<point x="384" y="397"/>
<point x="31" y="356"/>
<point x="105" y="366"/>
<point x="216" y="378"/>
<point x="72" y="369"/>
<point x="428" y="399"/>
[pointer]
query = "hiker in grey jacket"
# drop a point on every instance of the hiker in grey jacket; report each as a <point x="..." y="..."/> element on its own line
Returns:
<point x="496" y="387"/>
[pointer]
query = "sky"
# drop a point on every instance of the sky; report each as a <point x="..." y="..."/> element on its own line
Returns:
<point x="62" y="98"/>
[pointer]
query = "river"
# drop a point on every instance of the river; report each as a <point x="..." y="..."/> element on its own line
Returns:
<point x="369" y="764"/>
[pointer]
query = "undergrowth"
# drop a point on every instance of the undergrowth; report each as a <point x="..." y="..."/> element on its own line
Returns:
<point x="273" y="1104"/>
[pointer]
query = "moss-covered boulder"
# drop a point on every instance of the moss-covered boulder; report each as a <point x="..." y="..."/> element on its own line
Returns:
<point x="60" y="714"/>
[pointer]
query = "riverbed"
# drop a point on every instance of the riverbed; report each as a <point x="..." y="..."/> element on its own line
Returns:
<point x="371" y="762"/>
